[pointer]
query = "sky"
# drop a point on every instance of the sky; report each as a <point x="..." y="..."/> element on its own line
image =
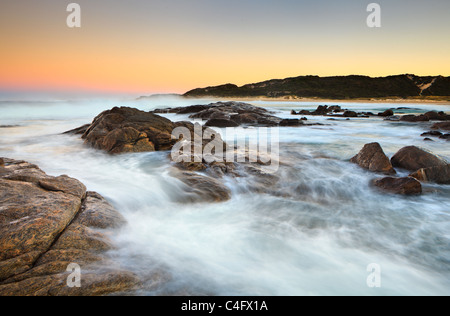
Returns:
<point x="172" y="46"/>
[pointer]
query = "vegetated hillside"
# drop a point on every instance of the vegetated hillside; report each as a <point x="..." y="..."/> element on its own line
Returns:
<point x="348" y="87"/>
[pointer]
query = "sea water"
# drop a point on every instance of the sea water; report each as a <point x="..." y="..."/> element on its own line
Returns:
<point x="315" y="234"/>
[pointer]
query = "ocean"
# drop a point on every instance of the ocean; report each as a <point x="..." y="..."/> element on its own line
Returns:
<point x="315" y="233"/>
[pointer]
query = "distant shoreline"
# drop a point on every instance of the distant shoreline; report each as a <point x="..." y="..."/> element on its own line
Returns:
<point x="321" y="100"/>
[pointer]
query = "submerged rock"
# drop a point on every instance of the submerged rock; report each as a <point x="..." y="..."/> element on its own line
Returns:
<point x="402" y="186"/>
<point x="439" y="174"/>
<point x="373" y="158"/>
<point x="202" y="188"/>
<point x="47" y="223"/>
<point x="413" y="158"/>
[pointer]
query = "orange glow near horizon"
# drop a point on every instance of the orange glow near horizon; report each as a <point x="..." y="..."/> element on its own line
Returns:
<point x="40" y="53"/>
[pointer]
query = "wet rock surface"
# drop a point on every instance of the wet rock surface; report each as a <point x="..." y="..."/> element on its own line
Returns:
<point x="412" y="158"/>
<point x="373" y="158"/>
<point x="47" y="223"/>
<point x="402" y="186"/>
<point x="438" y="174"/>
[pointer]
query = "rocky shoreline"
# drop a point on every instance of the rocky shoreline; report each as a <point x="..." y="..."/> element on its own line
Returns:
<point x="48" y="223"/>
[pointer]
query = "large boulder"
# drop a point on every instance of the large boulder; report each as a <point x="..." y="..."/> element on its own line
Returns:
<point x="402" y="186"/>
<point x="130" y="130"/>
<point x="439" y="174"/>
<point x="373" y="158"/>
<point x="413" y="158"/>
<point x="47" y="223"/>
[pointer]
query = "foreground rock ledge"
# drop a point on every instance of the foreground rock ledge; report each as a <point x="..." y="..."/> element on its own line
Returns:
<point x="47" y="223"/>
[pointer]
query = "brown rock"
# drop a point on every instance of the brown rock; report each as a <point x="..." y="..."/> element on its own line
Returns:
<point x="386" y="113"/>
<point x="412" y="158"/>
<point x="129" y="130"/>
<point x="439" y="174"/>
<point x="350" y="114"/>
<point x="373" y="158"/>
<point x="443" y="126"/>
<point x="414" y="118"/>
<point x="221" y="123"/>
<point x="46" y="223"/>
<point x="403" y="186"/>
<point x="202" y="188"/>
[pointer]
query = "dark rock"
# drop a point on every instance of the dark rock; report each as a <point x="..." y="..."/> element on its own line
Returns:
<point x="386" y="113"/>
<point x="414" y="118"/>
<point x="46" y="223"/>
<point x="350" y="114"/>
<point x="428" y="140"/>
<point x="432" y="115"/>
<point x="291" y="122"/>
<point x="432" y="133"/>
<point x="373" y="158"/>
<point x="221" y="123"/>
<point x="446" y="136"/>
<point x="335" y="109"/>
<point x="437" y="116"/>
<point x="79" y="131"/>
<point x="239" y="113"/>
<point x="293" y="112"/>
<point x="443" y="126"/>
<point x="439" y="174"/>
<point x="412" y="158"/>
<point x="304" y="112"/>
<point x="403" y="186"/>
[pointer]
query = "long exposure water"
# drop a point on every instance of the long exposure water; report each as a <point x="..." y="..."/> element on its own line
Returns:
<point x="315" y="235"/>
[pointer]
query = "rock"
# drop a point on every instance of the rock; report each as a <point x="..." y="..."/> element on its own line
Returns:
<point x="293" y="112"/>
<point x="46" y="223"/>
<point x="221" y="123"/>
<point x="79" y="131"/>
<point x="432" y="133"/>
<point x="403" y="186"/>
<point x="129" y="130"/>
<point x="373" y="158"/>
<point x="439" y="174"/>
<point x="200" y="188"/>
<point x="432" y="115"/>
<point x="239" y="113"/>
<point x="350" y="114"/>
<point x="446" y="137"/>
<point x="291" y="122"/>
<point x="335" y="109"/>
<point x="437" y="116"/>
<point x="414" y="118"/>
<point x="412" y="158"/>
<point x="428" y="140"/>
<point x="443" y="126"/>
<point x="386" y="113"/>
